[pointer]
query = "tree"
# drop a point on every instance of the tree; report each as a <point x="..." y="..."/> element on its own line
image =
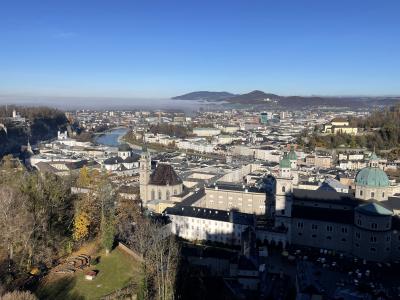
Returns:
<point x="160" y="253"/>
<point x="18" y="295"/>
<point x="16" y="222"/>
<point x="81" y="226"/>
<point x="84" y="177"/>
<point x="108" y="233"/>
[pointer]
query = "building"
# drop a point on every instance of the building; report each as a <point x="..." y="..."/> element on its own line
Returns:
<point x="224" y="196"/>
<point x="264" y="118"/>
<point x="344" y="222"/>
<point x="204" y="224"/>
<point x="124" y="161"/>
<point x="340" y="125"/>
<point x="372" y="182"/>
<point x="206" y="132"/>
<point x="161" y="184"/>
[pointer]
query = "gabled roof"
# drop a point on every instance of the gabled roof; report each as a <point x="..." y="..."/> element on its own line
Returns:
<point x="113" y="160"/>
<point x="164" y="174"/>
<point x="133" y="158"/>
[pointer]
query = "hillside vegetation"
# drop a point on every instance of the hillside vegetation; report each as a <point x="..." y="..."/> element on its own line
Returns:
<point x="381" y="130"/>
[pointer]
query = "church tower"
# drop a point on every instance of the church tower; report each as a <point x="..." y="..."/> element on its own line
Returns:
<point x="144" y="174"/>
<point x="283" y="196"/>
<point x="283" y="188"/>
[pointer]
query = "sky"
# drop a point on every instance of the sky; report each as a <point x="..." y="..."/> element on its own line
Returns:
<point x="160" y="49"/>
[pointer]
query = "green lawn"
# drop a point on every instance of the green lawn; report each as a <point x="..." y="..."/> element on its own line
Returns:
<point x="116" y="271"/>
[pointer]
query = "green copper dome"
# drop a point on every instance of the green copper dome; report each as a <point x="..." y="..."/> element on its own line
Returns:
<point x="372" y="176"/>
<point x="292" y="155"/>
<point x="285" y="162"/>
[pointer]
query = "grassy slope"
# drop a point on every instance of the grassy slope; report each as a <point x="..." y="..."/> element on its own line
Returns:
<point x="115" y="272"/>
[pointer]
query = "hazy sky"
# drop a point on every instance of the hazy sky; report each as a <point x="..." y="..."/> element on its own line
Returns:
<point x="127" y="48"/>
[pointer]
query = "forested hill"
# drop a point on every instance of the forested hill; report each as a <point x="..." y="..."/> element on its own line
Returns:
<point x="41" y="123"/>
<point x="275" y="101"/>
<point x="380" y="130"/>
<point x="205" y="95"/>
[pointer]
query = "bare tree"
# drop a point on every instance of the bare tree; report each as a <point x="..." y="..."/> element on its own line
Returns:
<point x="16" y="222"/>
<point x="160" y="258"/>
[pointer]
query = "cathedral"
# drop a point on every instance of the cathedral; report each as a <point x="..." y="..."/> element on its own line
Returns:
<point x="360" y="222"/>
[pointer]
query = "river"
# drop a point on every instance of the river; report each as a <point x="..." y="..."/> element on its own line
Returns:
<point x="112" y="137"/>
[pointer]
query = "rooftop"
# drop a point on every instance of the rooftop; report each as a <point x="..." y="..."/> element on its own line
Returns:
<point x="212" y="214"/>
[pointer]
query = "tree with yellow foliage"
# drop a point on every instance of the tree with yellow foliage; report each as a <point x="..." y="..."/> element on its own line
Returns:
<point x="84" y="177"/>
<point x="81" y="226"/>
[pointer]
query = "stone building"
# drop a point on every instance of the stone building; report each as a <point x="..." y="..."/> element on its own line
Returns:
<point x="343" y="222"/>
<point x="160" y="184"/>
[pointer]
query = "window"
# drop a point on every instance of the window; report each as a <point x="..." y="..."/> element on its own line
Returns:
<point x="159" y="195"/>
<point x="153" y="195"/>
<point x="299" y="233"/>
<point x="388" y="238"/>
<point x="329" y="228"/>
<point x="361" y="192"/>
<point x="357" y="245"/>
<point x="314" y="226"/>
<point x="374" y="226"/>
<point x="167" y="195"/>
<point x="300" y="225"/>
<point x="344" y="229"/>
<point x="175" y="192"/>
<point x="373" y="239"/>
<point x="383" y="195"/>
<point x="373" y="249"/>
<point x="283" y="189"/>
<point x="372" y="194"/>
<point x="359" y="222"/>
<point x="358" y="235"/>
<point x="314" y="236"/>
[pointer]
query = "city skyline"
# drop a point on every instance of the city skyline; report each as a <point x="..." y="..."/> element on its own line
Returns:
<point x="161" y="50"/>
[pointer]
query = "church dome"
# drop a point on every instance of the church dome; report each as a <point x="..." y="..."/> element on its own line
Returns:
<point x="373" y="177"/>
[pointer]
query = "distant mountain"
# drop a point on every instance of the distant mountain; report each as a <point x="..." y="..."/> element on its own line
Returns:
<point x="257" y="97"/>
<point x="254" y="97"/>
<point x="205" y="95"/>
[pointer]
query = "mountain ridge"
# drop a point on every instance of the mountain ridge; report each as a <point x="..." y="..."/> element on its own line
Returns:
<point x="257" y="97"/>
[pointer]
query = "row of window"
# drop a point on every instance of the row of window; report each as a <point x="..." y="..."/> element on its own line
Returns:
<point x="329" y="228"/>
<point x="153" y="194"/>
<point x="372" y="249"/>
<point x="372" y="194"/>
<point x="373" y="225"/>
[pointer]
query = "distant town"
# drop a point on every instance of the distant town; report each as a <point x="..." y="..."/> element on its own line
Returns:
<point x="268" y="204"/>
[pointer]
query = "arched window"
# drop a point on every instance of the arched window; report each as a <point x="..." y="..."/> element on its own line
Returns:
<point x="159" y="195"/>
<point x="175" y="192"/>
<point x="153" y="195"/>
<point x="167" y="195"/>
<point x="283" y="189"/>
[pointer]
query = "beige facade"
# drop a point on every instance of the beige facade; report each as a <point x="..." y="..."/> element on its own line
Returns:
<point x="227" y="197"/>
